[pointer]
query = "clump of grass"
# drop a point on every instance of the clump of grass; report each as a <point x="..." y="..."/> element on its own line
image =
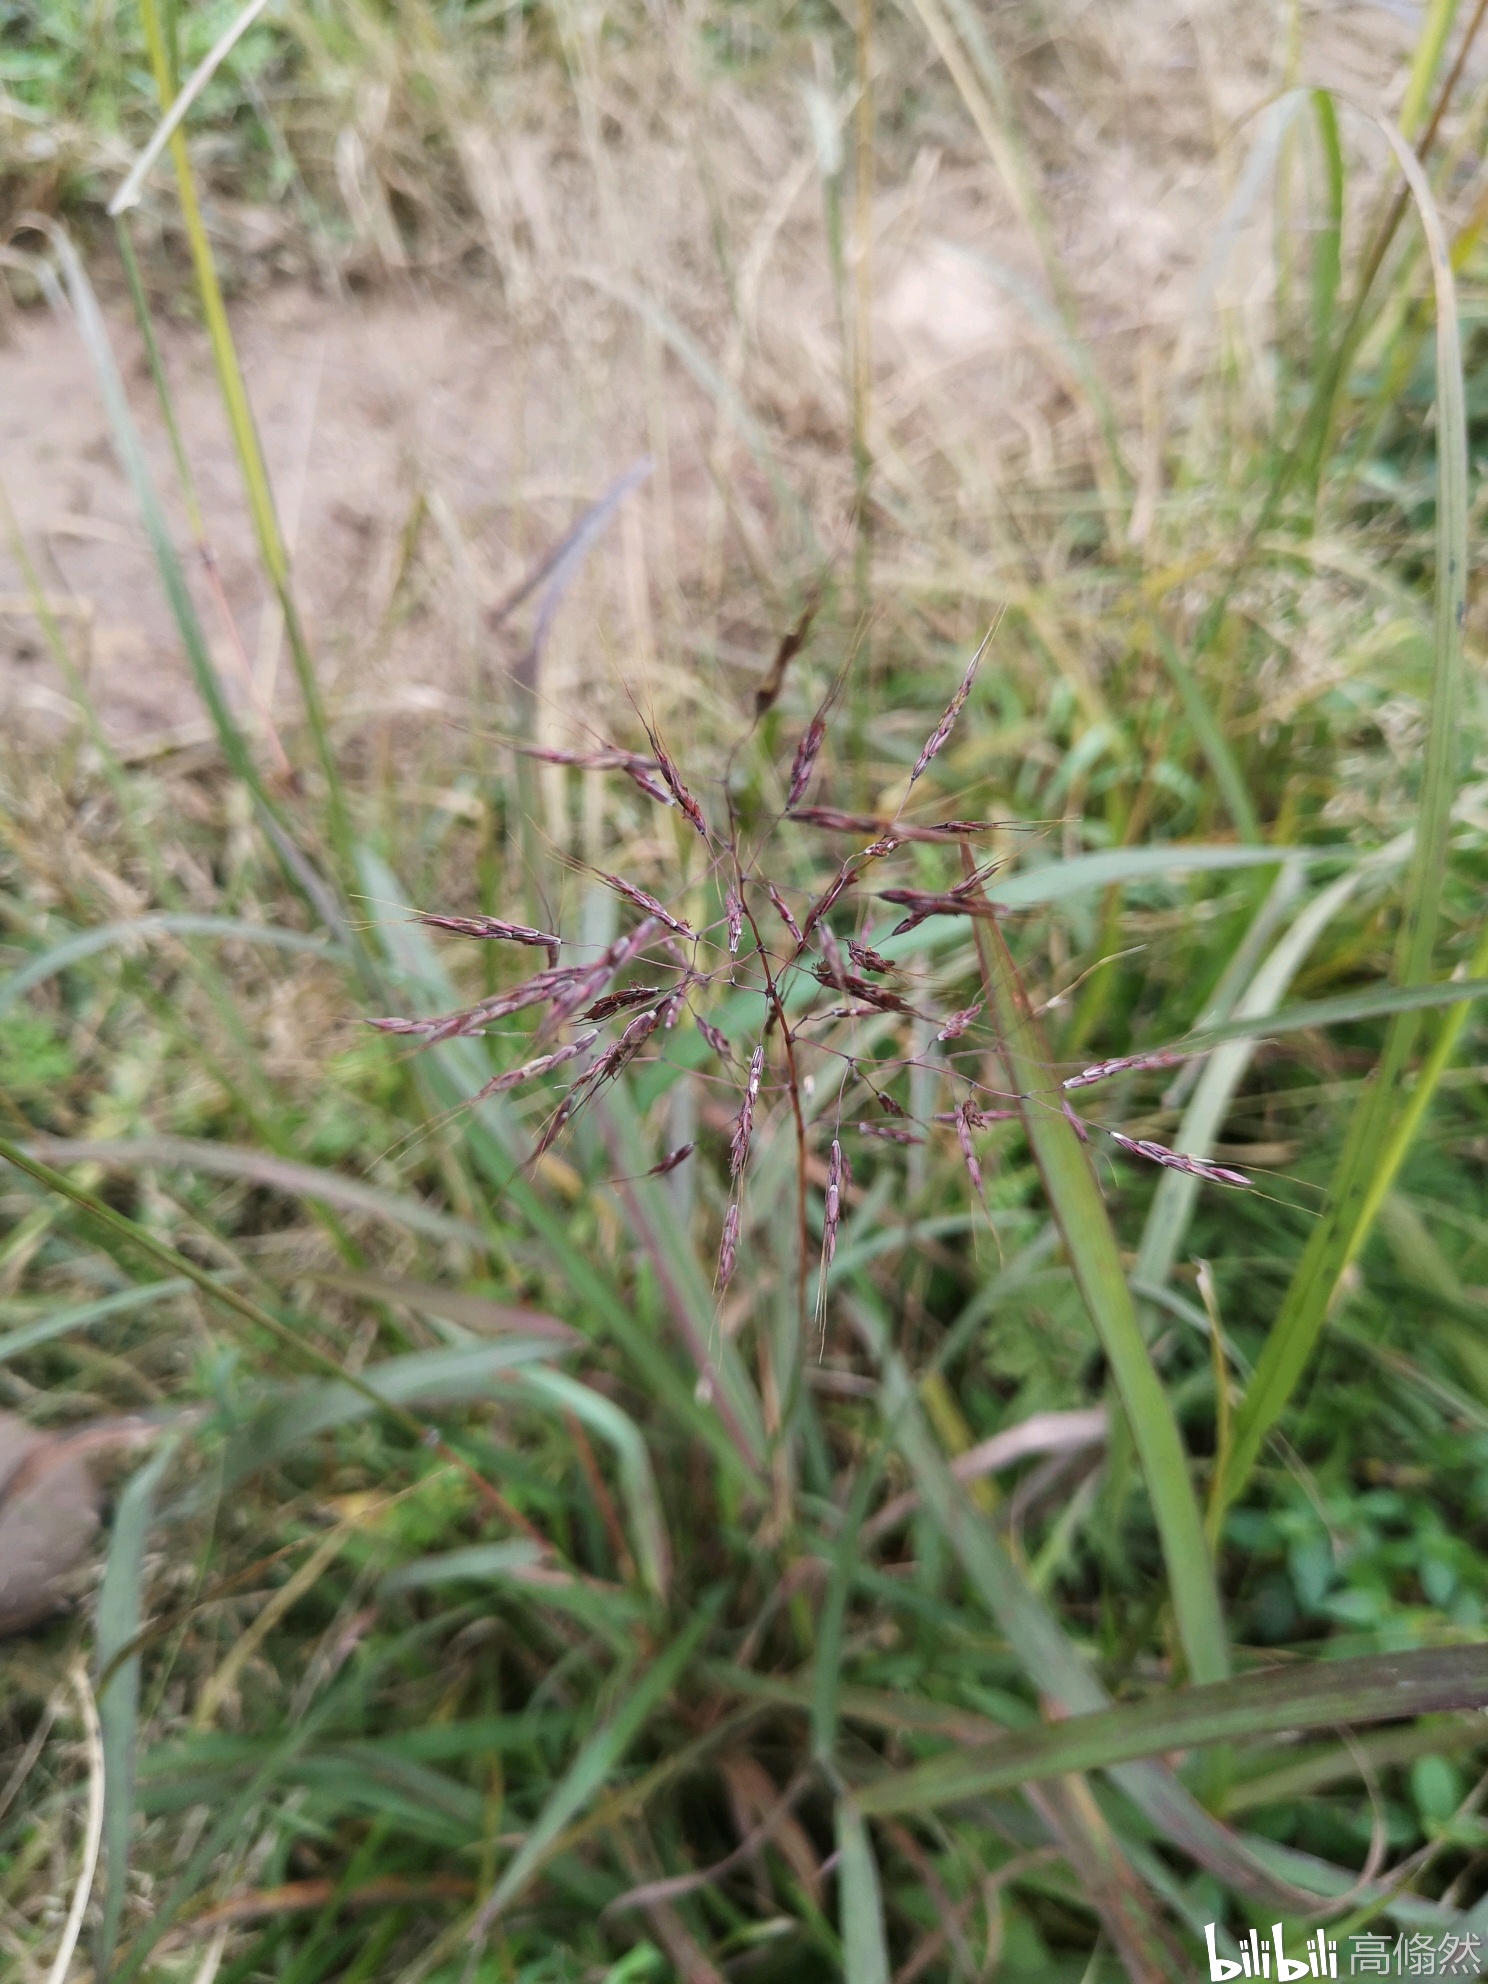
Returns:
<point x="715" y="1455"/>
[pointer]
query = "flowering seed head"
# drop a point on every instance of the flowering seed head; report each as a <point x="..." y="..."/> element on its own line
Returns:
<point x="826" y="900"/>
<point x="832" y="965"/>
<point x="674" y="785"/>
<point x="648" y="904"/>
<point x="744" y="1121"/>
<point x="490" y="927"/>
<point x="756" y="1071"/>
<point x="672" y="1159"/>
<point x="620" y="1002"/>
<point x="734" y="910"/>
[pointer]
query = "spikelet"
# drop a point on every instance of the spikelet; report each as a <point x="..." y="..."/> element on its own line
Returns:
<point x="968" y="1149"/>
<point x="958" y="1022"/>
<point x="937" y="739"/>
<point x="1175" y="1160"/>
<point x="542" y="1065"/>
<point x="728" y="1246"/>
<point x="674" y="785"/>
<point x="1124" y="1065"/>
<point x="807" y="753"/>
<point x="715" y="1037"/>
<point x="782" y="910"/>
<point x="867" y="959"/>
<point x="888" y="1133"/>
<point x="647" y="904"/>
<point x="832" y="1213"/>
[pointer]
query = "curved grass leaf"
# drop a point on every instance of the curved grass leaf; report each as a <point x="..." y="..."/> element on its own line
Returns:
<point x="1320" y="1696"/>
<point x="1047" y="1656"/>
<point x="479" y="1562"/>
<point x="1367" y="1146"/>
<point x="307" y="1181"/>
<point x="72" y="950"/>
<point x="287" y="1421"/>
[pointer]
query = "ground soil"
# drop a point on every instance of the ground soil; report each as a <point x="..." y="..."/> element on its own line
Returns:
<point x="427" y="441"/>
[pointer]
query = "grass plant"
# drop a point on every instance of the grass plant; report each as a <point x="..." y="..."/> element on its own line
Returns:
<point x="835" y="1331"/>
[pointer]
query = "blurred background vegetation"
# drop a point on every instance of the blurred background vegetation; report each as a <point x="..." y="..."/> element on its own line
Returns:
<point x="569" y="1632"/>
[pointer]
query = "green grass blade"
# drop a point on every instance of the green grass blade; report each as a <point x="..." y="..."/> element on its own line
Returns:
<point x="865" y="1953"/>
<point x="127" y="445"/>
<point x="1210" y="738"/>
<point x="1390" y="1002"/>
<point x="1327" y="239"/>
<point x="281" y="1174"/>
<point x="1272" y="1702"/>
<point x="272" y="552"/>
<point x="1084" y="1224"/>
<point x="1047" y="1656"/>
<point x="481" y="1561"/>
<point x="1368" y="1148"/>
<point x="649" y="1538"/>
<point x="83" y="1315"/>
<point x="425" y="1376"/>
<point x="120" y="1616"/>
<point x="1425" y="63"/>
<point x="1177" y="1191"/>
<point x="593" y="1767"/>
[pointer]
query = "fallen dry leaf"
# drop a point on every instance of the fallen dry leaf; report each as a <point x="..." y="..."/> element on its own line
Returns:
<point x="48" y="1518"/>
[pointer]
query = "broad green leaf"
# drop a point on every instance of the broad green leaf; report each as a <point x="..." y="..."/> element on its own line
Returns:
<point x="1318" y="1696"/>
<point x="1177" y="1191"/>
<point x="456" y="1070"/>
